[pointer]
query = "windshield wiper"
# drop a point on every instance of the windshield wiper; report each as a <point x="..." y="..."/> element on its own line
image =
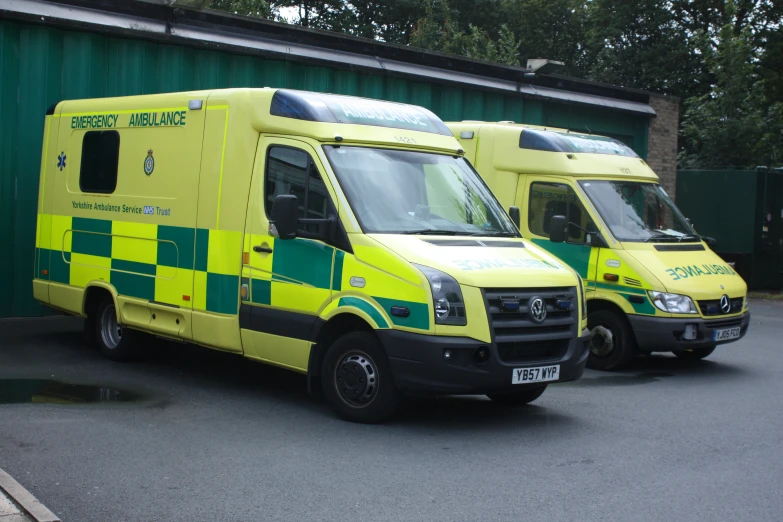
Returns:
<point x="496" y="234"/>
<point x="658" y="236"/>
<point x="434" y="232"/>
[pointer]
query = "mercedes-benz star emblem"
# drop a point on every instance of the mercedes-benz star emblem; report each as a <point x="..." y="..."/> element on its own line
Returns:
<point x="537" y="310"/>
<point x="725" y="304"/>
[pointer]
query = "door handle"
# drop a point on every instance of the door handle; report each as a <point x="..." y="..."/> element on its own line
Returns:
<point x="262" y="249"/>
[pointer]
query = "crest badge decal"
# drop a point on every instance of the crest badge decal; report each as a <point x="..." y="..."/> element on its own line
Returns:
<point x="149" y="163"/>
<point x="61" y="161"/>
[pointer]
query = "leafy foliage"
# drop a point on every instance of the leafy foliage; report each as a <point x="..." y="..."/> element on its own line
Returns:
<point x="722" y="57"/>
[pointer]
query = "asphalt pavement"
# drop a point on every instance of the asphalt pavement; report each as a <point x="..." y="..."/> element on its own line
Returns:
<point x="209" y="436"/>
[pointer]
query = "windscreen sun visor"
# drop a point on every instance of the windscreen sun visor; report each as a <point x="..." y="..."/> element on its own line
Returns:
<point x="330" y="108"/>
<point x="552" y="141"/>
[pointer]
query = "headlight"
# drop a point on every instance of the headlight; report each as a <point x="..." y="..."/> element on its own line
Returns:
<point x="582" y="297"/>
<point x="673" y="303"/>
<point x="446" y="297"/>
<point x="745" y="303"/>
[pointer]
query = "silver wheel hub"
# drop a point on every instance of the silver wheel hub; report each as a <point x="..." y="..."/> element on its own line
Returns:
<point x="356" y="379"/>
<point x="602" y="343"/>
<point x="111" y="331"/>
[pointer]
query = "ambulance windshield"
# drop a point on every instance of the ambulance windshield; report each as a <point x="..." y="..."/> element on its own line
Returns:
<point x="406" y="192"/>
<point x="637" y="211"/>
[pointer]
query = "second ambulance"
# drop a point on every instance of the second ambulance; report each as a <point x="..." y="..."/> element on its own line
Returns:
<point x="653" y="284"/>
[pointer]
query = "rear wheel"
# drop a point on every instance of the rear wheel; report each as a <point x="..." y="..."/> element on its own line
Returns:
<point x="519" y="398"/>
<point x="695" y="354"/>
<point x="113" y="341"/>
<point x="357" y="380"/>
<point x="613" y="345"/>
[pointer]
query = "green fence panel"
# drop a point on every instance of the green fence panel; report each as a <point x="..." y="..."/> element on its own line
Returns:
<point x="421" y="94"/>
<point x="9" y="110"/>
<point x="447" y="102"/>
<point x="397" y="90"/>
<point x="701" y="195"/>
<point x="513" y="109"/>
<point x="346" y="82"/>
<point x="472" y="105"/>
<point x="493" y="107"/>
<point x="371" y="86"/>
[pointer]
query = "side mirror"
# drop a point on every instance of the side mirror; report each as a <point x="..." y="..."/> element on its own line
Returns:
<point x="513" y="212"/>
<point x="558" y="229"/>
<point x="285" y="216"/>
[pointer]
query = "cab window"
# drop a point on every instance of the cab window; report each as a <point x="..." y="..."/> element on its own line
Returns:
<point x="557" y="199"/>
<point x="292" y="171"/>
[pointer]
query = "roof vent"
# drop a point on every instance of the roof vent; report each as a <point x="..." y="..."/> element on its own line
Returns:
<point x="545" y="66"/>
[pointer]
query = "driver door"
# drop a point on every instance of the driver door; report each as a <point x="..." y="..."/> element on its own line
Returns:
<point x="285" y="282"/>
<point x="546" y="198"/>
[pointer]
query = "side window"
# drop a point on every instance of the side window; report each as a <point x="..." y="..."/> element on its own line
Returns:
<point x="556" y="199"/>
<point x="100" y="158"/>
<point x="292" y="171"/>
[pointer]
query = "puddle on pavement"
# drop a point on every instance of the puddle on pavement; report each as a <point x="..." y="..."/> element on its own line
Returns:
<point x="16" y="391"/>
<point x="619" y="380"/>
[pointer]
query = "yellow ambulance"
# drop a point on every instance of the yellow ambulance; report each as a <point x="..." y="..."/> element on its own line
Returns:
<point x="652" y="282"/>
<point x="343" y="238"/>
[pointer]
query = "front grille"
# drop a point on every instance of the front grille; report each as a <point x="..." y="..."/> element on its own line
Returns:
<point x="519" y="352"/>
<point x="726" y="323"/>
<point x="517" y="336"/>
<point x="711" y="307"/>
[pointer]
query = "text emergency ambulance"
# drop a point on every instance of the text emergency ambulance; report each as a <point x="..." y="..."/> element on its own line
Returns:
<point x="343" y="238"/>
<point x="652" y="283"/>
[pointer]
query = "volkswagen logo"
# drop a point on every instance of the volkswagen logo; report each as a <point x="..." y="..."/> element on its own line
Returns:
<point x="537" y="309"/>
<point x="725" y="304"/>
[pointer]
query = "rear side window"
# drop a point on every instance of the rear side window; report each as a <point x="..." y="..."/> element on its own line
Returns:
<point x="100" y="158"/>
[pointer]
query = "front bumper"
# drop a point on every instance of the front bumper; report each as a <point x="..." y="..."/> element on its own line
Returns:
<point x="419" y="367"/>
<point x="659" y="334"/>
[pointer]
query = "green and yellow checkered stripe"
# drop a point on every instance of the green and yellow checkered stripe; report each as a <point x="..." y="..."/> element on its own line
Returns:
<point x="187" y="267"/>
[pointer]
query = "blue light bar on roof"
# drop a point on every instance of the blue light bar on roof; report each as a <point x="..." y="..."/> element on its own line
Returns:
<point x="333" y="108"/>
<point x="552" y="141"/>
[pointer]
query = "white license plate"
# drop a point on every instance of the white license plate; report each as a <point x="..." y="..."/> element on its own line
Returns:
<point x="726" y="334"/>
<point x="540" y="374"/>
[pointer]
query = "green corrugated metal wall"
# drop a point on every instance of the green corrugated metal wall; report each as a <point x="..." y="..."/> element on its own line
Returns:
<point x="40" y="65"/>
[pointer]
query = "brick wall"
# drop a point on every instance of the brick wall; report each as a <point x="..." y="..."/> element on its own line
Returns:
<point x="662" y="140"/>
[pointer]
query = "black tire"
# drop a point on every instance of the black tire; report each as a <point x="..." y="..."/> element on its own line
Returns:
<point x="357" y="379"/>
<point x="695" y="354"/>
<point x="113" y="341"/>
<point x="613" y="344"/>
<point x="519" y="398"/>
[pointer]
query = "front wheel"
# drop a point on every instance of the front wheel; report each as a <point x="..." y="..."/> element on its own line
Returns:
<point x="357" y="380"/>
<point x="613" y="345"/>
<point x="695" y="354"/>
<point x="519" y="398"/>
<point x="113" y="341"/>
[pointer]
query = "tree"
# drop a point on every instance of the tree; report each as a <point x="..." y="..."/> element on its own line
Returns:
<point x="553" y="29"/>
<point x="642" y="45"/>
<point x="731" y="125"/>
<point x="254" y="8"/>
<point x="439" y="30"/>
